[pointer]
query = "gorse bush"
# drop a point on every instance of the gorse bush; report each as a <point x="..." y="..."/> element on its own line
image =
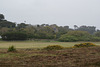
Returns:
<point x="11" y="49"/>
<point x="53" y="47"/>
<point x="84" y="45"/>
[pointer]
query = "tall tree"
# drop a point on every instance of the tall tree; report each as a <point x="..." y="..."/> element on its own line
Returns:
<point x="75" y="27"/>
<point x="22" y="25"/>
<point x="2" y="17"/>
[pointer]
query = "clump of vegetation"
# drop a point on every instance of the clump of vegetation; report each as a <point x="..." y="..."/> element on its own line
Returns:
<point x="73" y="36"/>
<point x="84" y="45"/>
<point x="11" y="49"/>
<point x="53" y="47"/>
<point x="67" y="38"/>
<point x="14" y="36"/>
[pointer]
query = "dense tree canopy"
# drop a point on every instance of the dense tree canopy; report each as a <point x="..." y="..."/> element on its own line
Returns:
<point x="7" y="24"/>
<point x="90" y="29"/>
<point x="21" y="25"/>
<point x="45" y="31"/>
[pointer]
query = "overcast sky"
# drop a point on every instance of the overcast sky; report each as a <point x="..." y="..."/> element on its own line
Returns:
<point x="60" y="12"/>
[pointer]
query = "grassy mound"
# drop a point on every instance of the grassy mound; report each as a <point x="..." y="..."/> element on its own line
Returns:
<point x="84" y="45"/>
<point x="53" y="47"/>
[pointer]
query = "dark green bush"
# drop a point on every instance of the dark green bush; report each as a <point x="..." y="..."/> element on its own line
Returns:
<point x="53" y="47"/>
<point x="84" y="45"/>
<point x="14" y="36"/>
<point x="11" y="49"/>
<point x="72" y="36"/>
<point x="67" y="38"/>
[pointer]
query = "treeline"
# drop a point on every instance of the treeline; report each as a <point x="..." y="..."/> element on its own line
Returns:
<point x="12" y="31"/>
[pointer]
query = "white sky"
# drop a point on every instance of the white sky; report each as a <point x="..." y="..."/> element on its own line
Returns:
<point x="60" y="12"/>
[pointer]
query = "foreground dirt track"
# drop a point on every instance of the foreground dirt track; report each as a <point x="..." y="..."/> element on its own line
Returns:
<point x="73" y="57"/>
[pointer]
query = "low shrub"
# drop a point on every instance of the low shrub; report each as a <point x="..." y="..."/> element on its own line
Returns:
<point x="53" y="47"/>
<point x="84" y="45"/>
<point x="11" y="49"/>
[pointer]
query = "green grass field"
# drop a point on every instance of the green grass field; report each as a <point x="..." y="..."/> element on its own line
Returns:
<point x="37" y="44"/>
